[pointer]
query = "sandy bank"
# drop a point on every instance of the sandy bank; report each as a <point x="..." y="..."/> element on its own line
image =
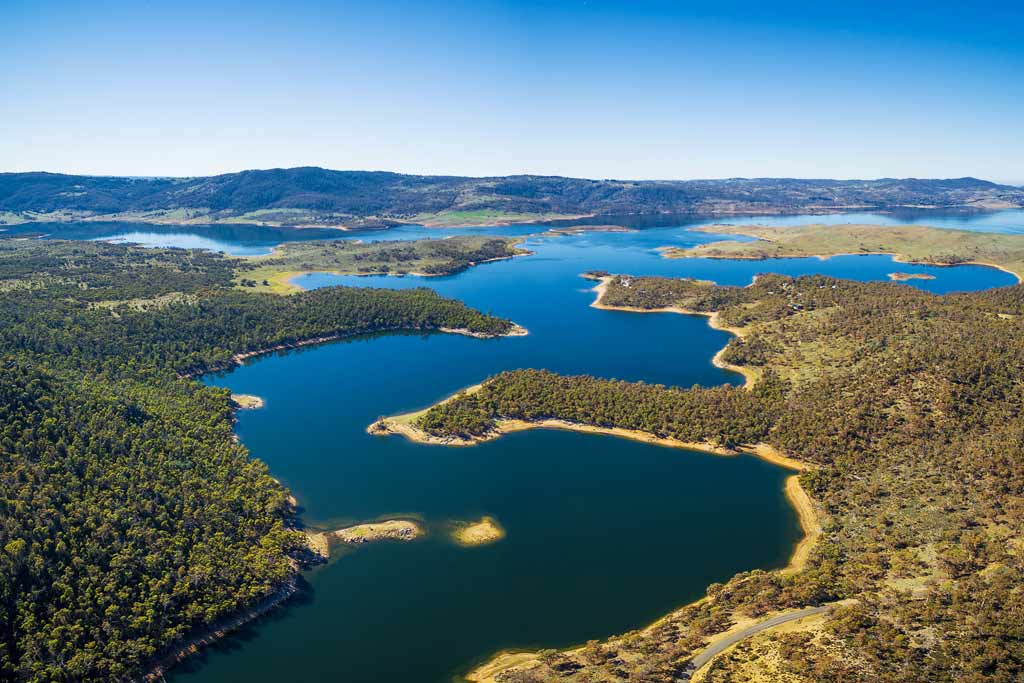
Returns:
<point x="810" y="523"/>
<point x="371" y="532"/>
<point x="247" y="401"/>
<point x="485" y="531"/>
<point x="388" y="530"/>
<point x="402" y="425"/>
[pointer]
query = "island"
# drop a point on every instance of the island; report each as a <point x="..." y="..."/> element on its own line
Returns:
<point x="903" y="277"/>
<point x="247" y="401"/>
<point x="484" y="531"/>
<point x="370" y="532"/>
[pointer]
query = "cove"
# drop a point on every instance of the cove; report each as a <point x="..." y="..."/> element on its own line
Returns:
<point x="603" y="535"/>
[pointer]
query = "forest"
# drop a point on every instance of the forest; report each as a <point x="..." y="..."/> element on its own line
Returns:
<point x="130" y="518"/>
<point x="424" y="257"/>
<point x="907" y="407"/>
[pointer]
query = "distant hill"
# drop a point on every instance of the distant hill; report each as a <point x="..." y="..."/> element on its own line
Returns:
<point x="316" y="196"/>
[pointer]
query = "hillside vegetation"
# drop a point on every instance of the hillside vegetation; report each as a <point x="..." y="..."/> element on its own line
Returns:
<point x="907" y="408"/>
<point x="319" y="197"/>
<point x="130" y="518"/>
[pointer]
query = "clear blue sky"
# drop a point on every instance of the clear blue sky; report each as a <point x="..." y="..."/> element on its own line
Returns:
<point x="594" y="89"/>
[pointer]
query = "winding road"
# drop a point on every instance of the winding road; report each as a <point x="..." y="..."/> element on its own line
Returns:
<point x="721" y="646"/>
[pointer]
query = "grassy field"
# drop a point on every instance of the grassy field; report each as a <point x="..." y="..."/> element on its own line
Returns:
<point x="273" y="272"/>
<point x="911" y="243"/>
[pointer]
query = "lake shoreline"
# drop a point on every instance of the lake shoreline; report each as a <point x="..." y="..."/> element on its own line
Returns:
<point x="488" y="669"/>
<point x="223" y="628"/>
<point x="236" y="360"/>
<point x="750" y="375"/>
<point x="823" y="252"/>
<point x="282" y="282"/>
<point x="807" y="515"/>
<point x="316" y="543"/>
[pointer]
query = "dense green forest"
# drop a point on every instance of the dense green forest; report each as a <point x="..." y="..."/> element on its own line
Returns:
<point x="129" y="517"/>
<point x="316" y="196"/>
<point x="908" y="405"/>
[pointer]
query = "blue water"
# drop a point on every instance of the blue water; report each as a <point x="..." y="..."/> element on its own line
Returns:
<point x="249" y="240"/>
<point x="604" y="534"/>
<point x="237" y="240"/>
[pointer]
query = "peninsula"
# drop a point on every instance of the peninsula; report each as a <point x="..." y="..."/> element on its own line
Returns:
<point x="114" y="461"/>
<point x="274" y="272"/>
<point x="908" y="243"/>
<point x="905" y="460"/>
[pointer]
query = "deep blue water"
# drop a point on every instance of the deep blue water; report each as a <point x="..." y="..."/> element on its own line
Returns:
<point x="604" y="534"/>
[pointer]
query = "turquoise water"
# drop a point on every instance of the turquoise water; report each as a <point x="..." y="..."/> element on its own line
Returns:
<point x="604" y="534"/>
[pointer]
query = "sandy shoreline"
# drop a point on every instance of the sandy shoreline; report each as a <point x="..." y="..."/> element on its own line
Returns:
<point x="503" y="661"/>
<point x="500" y="662"/>
<point x="810" y="523"/>
<point x="484" y="531"/>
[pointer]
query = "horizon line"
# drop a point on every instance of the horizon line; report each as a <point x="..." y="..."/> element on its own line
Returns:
<point x="1015" y="184"/>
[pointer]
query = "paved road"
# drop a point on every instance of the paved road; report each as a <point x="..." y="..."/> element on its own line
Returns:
<point x="721" y="646"/>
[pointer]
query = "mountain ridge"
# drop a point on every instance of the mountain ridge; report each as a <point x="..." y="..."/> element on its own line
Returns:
<point x="314" y="196"/>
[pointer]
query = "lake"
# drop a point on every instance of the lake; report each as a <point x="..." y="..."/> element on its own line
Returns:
<point x="604" y="535"/>
<point x="250" y="240"/>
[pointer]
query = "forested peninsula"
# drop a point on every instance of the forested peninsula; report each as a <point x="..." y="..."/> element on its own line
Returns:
<point x="275" y="271"/>
<point x="317" y="197"/>
<point x="905" y="408"/>
<point x="131" y="521"/>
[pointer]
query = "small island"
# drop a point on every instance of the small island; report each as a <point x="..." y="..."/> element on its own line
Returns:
<point x="583" y="229"/>
<point x="406" y="530"/>
<point x="485" y="531"/>
<point x="903" y="277"/>
<point x="247" y="402"/>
